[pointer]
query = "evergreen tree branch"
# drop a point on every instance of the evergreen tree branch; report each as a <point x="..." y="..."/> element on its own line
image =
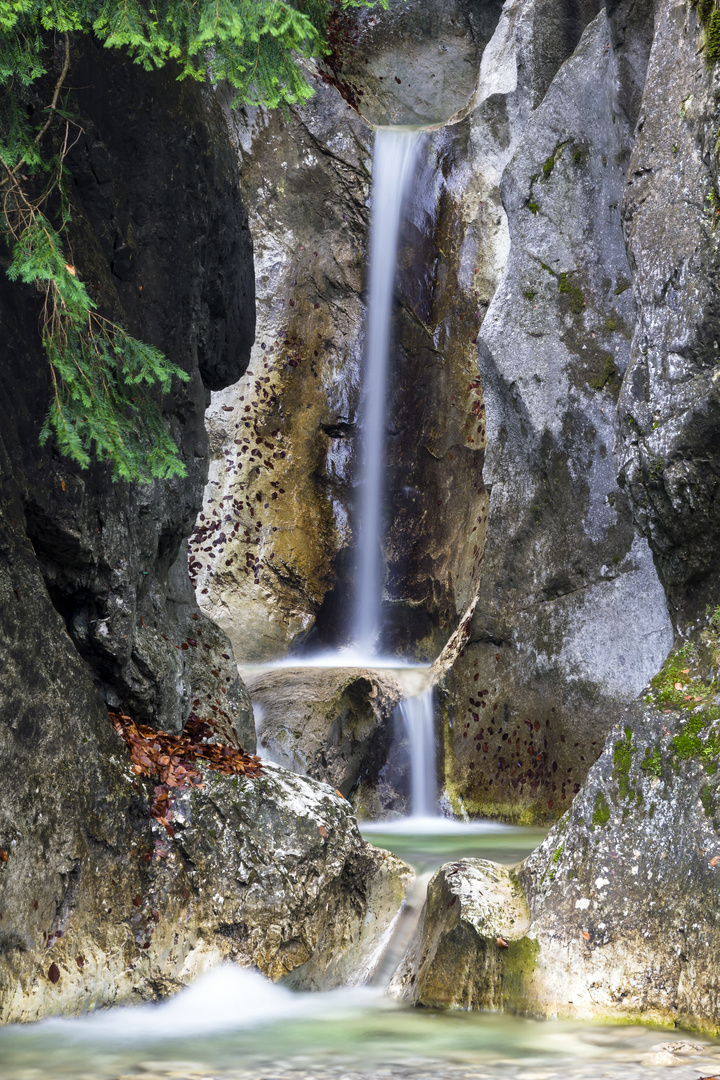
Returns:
<point x="102" y="378"/>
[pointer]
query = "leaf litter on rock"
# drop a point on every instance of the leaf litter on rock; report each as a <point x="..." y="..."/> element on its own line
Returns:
<point x="173" y="758"/>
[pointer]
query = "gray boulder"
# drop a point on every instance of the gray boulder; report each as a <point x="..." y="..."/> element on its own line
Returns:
<point x="270" y="873"/>
<point x="334" y="724"/>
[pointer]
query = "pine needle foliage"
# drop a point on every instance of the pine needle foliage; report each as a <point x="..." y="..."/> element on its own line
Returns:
<point x="106" y="382"/>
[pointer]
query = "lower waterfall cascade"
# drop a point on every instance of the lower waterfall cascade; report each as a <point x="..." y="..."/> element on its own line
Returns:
<point x="418" y="717"/>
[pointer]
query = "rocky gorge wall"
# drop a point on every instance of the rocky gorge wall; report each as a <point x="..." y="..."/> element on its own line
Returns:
<point x="541" y="460"/>
<point x="551" y="467"/>
<point x="100" y="903"/>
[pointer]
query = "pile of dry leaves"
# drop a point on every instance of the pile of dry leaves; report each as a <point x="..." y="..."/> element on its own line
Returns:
<point x="172" y="758"/>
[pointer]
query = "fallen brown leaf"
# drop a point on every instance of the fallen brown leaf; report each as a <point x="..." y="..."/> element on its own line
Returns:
<point x="502" y="943"/>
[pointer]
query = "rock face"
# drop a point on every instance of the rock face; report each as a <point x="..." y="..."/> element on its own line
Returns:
<point x="622" y="895"/>
<point x="569" y="619"/>
<point x="277" y="512"/>
<point x="415" y="63"/>
<point x="669" y="400"/>
<point x="271" y="873"/>
<point x="110" y="554"/>
<point x="331" y="724"/>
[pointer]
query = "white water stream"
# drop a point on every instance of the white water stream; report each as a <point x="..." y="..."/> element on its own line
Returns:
<point x="418" y="717"/>
<point x="393" y="163"/>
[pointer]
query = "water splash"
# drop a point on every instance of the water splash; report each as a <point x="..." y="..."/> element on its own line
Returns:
<point x="393" y="161"/>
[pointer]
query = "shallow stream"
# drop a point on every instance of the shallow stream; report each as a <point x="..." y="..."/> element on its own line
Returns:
<point x="235" y="1024"/>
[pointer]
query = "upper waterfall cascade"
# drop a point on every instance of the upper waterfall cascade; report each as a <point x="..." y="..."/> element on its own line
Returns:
<point x="393" y="163"/>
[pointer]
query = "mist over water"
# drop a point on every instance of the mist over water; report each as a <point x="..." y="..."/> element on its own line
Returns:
<point x="393" y="163"/>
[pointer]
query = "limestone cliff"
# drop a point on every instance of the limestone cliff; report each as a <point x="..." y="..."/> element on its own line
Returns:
<point x="521" y="527"/>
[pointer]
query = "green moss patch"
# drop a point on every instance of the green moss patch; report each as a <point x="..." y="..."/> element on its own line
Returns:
<point x="708" y="800"/>
<point x="688" y="743"/>
<point x="622" y="762"/>
<point x="709" y="17"/>
<point x="652" y="762"/>
<point x="601" y="813"/>
<point x="607" y="375"/>
<point x="687" y="684"/>
<point x="573" y="292"/>
<point x="681" y="685"/>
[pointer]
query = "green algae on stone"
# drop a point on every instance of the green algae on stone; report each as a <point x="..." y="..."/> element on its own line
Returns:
<point x="652" y="762"/>
<point x="708" y="800"/>
<point x="607" y="374"/>
<point x="688" y="743"/>
<point x="520" y="964"/>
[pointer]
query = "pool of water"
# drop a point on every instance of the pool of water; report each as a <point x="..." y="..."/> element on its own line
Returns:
<point x="426" y="843"/>
<point x="234" y="1025"/>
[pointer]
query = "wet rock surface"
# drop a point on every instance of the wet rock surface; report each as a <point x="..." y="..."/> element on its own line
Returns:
<point x="271" y="873"/>
<point x="268" y="545"/>
<point x="326" y="723"/>
<point x="621" y="896"/>
<point x="475" y="912"/>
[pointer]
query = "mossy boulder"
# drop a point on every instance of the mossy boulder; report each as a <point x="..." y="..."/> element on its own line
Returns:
<point x="614" y="916"/>
<point x="471" y="949"/>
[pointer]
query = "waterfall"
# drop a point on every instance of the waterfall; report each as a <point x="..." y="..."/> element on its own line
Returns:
<point x="393" y="160"/>
<point x="418" y="717"/>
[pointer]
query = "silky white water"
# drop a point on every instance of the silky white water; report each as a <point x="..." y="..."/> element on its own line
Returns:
<point x="232" y="1024"/>
<point x="393" y="162"/>
<point x="418" y="717"/>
